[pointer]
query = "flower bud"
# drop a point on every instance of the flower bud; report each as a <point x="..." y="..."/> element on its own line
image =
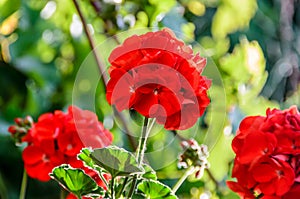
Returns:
<point x="12" y="129"/>
<point x="28" y="121"/>
<point x="194" y="155"/>
<point x="20" y="129"/>
<point x="19" y="121"/>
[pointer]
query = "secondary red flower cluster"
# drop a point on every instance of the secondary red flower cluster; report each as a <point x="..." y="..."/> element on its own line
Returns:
<point x="56" y="138"/>
<point x="158" y="76"/>
<point x="267" y="163"/>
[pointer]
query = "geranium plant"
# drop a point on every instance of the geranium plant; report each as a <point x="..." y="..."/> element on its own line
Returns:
<point x="155" y="76"/>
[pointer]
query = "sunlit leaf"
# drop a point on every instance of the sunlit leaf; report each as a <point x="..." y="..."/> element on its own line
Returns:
<point x="116" y="161"/>
<point x="76" y="181"/>
<point x="153" y="189"/>
<point x="84" y="155"/>
<point x="149" y="173"/>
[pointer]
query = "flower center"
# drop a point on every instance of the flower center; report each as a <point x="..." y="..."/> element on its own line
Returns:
<point x="279" y="173"/>
<point x="45" y="158"/>
<point x="131" y="89"/>
<point x="155" y="91"/>
<point x="69" y="147"/>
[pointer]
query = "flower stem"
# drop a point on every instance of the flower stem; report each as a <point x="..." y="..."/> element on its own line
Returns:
<point x="140" y="152"/>
<point x="23" y="186"/>
<point x="188" y="172"/>
<point x="142" y="142"/>
<point x="112" y="188"/>
<point x="101" y="67"/>
<point x="122" y="188"/>
<point x="92" y="44"/>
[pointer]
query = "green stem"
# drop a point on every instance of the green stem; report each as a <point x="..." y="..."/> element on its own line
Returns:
<point x="133" y="184"/>
<point x="188" y="172"/>
<point x="23" y="186"/>
<point x="140" y="153"/>
<point x="112" y="188"/>
<point x="142" y="142"/>
<point x="102" y="71"/>
<point x="92" y="44"/>
<point x="122" y="188"/>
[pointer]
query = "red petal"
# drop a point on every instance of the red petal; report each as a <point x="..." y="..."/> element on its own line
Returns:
<point x="32" y="155"/>
<point x="144" y="104"/>
<point x="256" y="144"/>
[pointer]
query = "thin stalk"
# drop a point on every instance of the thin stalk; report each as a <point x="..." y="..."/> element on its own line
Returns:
<point x="102" y="70"/>
<point x="23" y="185"/>
<point x="133" y="184"/>
<point x="188" y="172"/>
<point x="122" y="188"/>
<point x="112" y="188"/>
<point x="140" y="153"/>
<point x="92" y="43"/>
<point x="150" y="126"/>
<point x="142" y="142"/>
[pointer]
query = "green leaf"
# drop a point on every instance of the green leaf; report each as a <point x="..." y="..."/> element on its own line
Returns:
<point x="76" y="181"/>
<point x="84" y="155"/>
<point x="117" y="161"/>
<point x="153" y="189"/>
<point x="138" y="196"/>
<point x="149" y="173"/>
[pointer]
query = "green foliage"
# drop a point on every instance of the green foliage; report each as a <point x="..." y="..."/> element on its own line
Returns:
<point x="84" y="155"/>
<point x="116" y="161"/>
<point x="245" y="77"/>
<point x="76" y="181"/>
<point x="149" y="173"/>
<point x="8" y="7"/>
<point x="153" y="190"/>
<point x="232" y="15"/>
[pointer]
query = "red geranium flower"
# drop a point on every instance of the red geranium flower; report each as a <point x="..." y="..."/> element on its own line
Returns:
<point x="39" y="163"/>
<point x="158" y="76"/>
<point x="273" y="176"/>
<point x="56" y="138"/>
<point x="267" y="162"/>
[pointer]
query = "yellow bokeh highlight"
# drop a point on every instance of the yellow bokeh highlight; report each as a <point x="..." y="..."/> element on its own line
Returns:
<point x="196" y="7"/>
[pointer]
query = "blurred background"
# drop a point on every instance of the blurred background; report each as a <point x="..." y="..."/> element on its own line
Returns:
<point x="253" y="50"/>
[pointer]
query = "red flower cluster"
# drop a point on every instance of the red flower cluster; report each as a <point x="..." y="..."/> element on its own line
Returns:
<point x="57" y="139"/>
<point x="267" y="163"/>
<point x="158" y="76"/>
